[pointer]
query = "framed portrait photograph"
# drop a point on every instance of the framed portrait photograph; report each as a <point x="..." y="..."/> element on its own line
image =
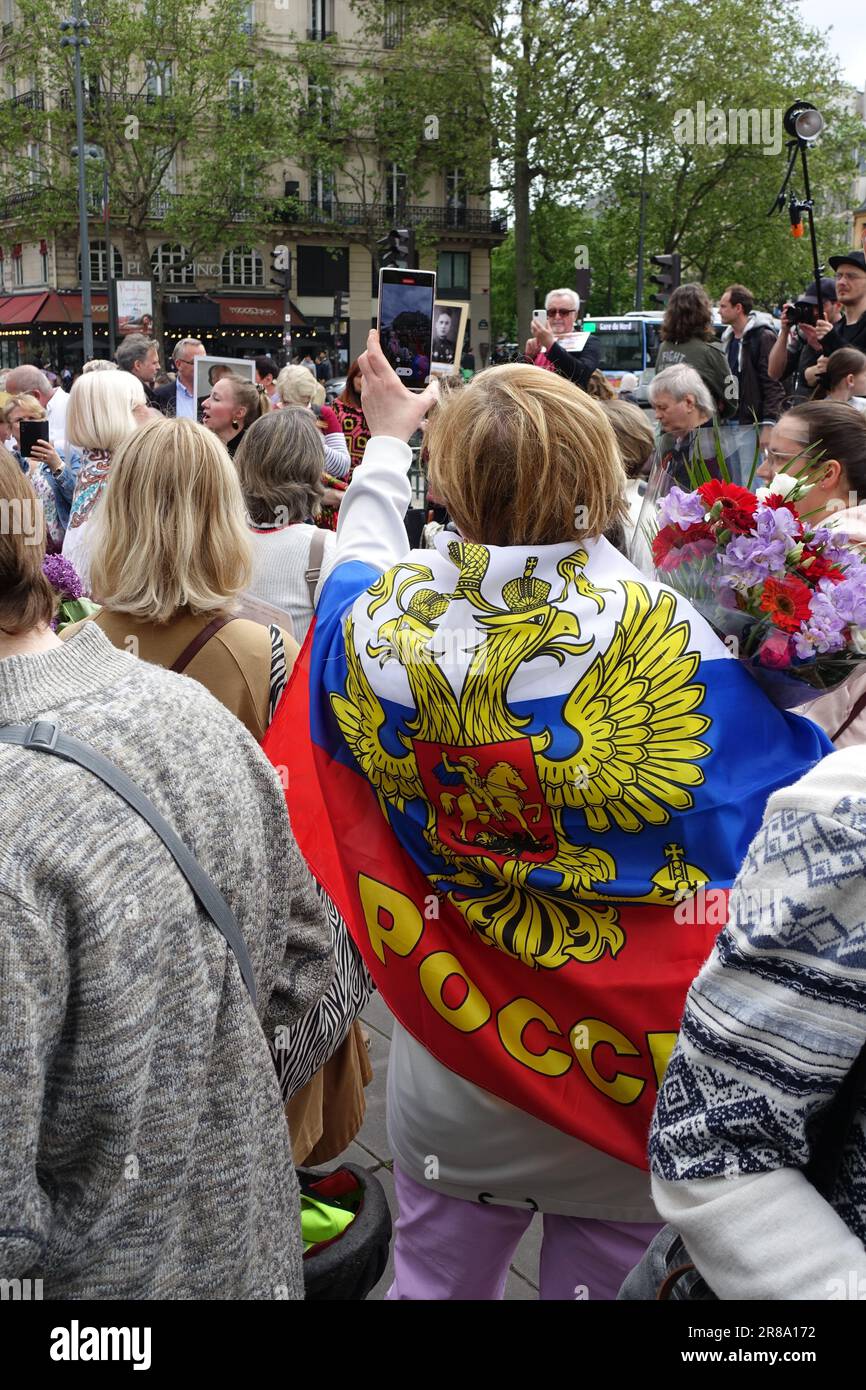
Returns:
<point x="208" y="371"/>
<point x="449" y="327"/>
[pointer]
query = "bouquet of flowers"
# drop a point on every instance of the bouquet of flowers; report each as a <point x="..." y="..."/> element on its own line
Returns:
<point x="790" y="593"/>
<point x="65" y="580"/>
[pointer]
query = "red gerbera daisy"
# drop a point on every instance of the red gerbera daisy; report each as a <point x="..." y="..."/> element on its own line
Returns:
<point x="672" y="546"/>
<point x="738" y="504"/>
<point x="819" y="567"/>
<point x="787" y="601"/>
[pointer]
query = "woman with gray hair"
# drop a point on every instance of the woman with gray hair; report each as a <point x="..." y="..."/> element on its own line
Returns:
<point x="279" y="464"/>
<point x="684" y="408"/>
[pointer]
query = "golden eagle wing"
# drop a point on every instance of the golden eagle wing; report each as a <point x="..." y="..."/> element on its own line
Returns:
<point x="360" y="716"/>
<point x="634" y="713"/>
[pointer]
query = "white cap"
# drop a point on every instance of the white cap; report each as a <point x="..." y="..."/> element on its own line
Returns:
<point x="628" y="382"/>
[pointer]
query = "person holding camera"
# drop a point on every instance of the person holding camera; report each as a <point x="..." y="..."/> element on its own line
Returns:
<point x="850" y="330"/>
<point x="796" y="351"/>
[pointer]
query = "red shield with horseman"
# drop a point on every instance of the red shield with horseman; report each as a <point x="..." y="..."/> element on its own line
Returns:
<point x="488" y="799"/>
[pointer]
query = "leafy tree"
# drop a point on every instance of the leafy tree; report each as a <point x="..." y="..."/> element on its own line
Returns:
<point x="170" y="87"/>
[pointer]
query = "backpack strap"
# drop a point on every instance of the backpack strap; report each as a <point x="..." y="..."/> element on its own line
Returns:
<point x="314" y="563"/>
<point x="44" y="736"/>
<point x="200" y="640"/>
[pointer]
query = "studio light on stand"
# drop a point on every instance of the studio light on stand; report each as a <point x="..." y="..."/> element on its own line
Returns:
<point x="803" y="122"/>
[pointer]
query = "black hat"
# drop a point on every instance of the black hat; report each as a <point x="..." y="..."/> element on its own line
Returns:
<point x="828" y="291"/>
<point x="849" y="258"/>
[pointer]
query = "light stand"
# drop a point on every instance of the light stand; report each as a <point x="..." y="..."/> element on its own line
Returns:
<point x="804" y="124"/>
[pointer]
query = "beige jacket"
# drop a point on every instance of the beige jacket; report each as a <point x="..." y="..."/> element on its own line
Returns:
<point x="831" y="711"/>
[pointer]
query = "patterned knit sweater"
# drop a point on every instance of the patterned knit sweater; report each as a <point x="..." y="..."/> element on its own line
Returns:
<point x="772" y="1025"/>
<point x="144" y="1150"/>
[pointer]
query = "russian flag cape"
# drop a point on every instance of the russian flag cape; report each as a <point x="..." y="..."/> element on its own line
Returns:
<point x="531" y="777"/>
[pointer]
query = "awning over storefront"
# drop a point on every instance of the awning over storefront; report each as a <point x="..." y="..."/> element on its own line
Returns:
<point x="48" y="307"/>
<point x="262" y="312"/>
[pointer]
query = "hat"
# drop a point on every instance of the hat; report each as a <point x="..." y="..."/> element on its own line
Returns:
<point x="628" y="382"/>
<point x="828" y="291"/>
<point x="849" y="258"/>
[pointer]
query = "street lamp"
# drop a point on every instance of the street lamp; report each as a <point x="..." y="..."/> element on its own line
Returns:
<point x="97" y="153"/>
<point x="646" y="95"/>
<point x="74" y="33"/>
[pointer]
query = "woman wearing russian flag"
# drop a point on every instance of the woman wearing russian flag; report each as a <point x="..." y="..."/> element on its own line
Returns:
<point x="524" y="757"/>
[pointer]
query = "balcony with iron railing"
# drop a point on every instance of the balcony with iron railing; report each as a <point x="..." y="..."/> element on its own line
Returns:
<point x="96" y="100"/>
<point x="29" y="101"/>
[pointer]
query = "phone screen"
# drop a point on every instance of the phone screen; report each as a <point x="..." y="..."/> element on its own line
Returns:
<point x="406" y="323"/>
<point x="31" y="430"/>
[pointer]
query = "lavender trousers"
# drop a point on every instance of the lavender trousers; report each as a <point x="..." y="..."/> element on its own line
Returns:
<point x="447" y="1248"/>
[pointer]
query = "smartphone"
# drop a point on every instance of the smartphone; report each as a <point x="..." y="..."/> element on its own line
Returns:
<point x="541" y="316"/>
<point x="31" y="431"/>
<point x="406" y="323"/>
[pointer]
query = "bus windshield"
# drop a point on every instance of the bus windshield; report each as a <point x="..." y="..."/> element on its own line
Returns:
<point x="621" y="345"/>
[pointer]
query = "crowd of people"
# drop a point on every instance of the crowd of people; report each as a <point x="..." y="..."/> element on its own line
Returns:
<point x="395" y="769"/>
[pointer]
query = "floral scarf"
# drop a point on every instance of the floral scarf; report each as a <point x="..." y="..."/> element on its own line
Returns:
<point x="92" y="477"/>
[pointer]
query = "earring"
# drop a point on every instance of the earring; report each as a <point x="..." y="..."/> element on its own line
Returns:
<point x="236" y="424"/>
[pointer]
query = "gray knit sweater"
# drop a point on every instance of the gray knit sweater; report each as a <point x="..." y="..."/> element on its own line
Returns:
<point x="144" y="1151"/>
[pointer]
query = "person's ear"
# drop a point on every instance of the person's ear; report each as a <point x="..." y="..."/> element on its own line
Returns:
<point x="832" y="474"/>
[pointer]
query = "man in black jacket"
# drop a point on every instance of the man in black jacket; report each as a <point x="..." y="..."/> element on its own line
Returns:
<point x="555" y="345"/>
<point x="140" y="356"/>
<point x="747" y="340"/>
<point x="794" y="354"/>
<point x="850" y="331"/>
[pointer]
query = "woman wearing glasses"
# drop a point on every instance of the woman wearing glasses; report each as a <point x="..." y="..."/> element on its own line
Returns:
<point x="828" y="438"/>
<point x="555" y="345"/>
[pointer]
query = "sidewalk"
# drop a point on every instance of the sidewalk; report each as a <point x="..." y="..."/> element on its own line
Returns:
<point x="370" y="1150"/>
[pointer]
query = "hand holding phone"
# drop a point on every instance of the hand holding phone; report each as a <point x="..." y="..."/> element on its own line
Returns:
<point x="390" y="408"/>
<point x="31" y="431"/>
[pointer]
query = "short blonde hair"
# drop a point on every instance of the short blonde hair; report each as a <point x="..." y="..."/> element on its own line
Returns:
<point x="33" y="409"/>
<point x="517" y="451"/>
<point x="298" y="386"/>
<point x="100" y="409"/>
<point x="171" y="534"/>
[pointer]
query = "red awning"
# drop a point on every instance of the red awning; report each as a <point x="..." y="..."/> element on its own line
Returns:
<point x="264" y="312"/>
<point x="67" y="308"/>
<point x="48" y="307"/>
<point x="21" y="308"/>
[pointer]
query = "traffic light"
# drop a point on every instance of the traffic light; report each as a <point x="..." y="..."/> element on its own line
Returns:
<point x="281" y="267"/>
<point x="397" y="249"/>
<point x="583" y="285"/>
<point x="341" y="306"/>
<point x="669" y="278"/>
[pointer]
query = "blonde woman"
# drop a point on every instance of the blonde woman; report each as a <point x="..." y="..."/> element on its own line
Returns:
<point x="104" y="409"/>
<point x="170" y="555"/>
<point x="298" y="386"/>
<point x="233" y="405"/>
<point x="522" y="755"/>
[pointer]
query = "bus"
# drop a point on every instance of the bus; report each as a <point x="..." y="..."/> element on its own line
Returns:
<point x="629" y="343"/>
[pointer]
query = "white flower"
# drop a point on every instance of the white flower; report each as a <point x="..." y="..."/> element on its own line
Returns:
<point x="858" y="640"/>
<point x="783" y="485"/>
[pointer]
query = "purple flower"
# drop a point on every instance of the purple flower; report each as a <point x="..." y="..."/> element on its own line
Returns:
<point x="824" y="632"/>
<point x="62" y="576"/>
<point x="834" y="545"/>
<point x="774" y="523"/>
<point x="848" y="598"/>
<point x="681" y="509"/>
<point x="747" y="560"/>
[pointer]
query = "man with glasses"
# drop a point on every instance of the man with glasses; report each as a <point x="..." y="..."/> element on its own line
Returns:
<point x="178" y="397"/>
<point x="850" y="331"/>
<point x="556" y="346"/>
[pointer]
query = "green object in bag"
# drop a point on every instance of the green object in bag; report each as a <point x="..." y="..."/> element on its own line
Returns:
<point x="321" y="1222"/>
<point x="72" y="610"/>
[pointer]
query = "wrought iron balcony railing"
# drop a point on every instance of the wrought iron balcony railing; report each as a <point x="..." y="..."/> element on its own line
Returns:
<point x="30" y="101"/>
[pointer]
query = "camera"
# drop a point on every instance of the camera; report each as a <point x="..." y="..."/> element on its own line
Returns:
<point x="801" y="312"/>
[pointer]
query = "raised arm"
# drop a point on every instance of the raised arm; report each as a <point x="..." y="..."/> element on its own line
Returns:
<point x="370" y="527"/>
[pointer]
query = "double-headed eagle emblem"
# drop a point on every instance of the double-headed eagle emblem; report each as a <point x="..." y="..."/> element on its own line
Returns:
<point x="500" y="802"/>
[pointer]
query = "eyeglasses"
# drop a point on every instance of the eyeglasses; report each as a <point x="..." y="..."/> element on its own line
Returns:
<point x="560" y="313"/>
<point x="773" y="456"/>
